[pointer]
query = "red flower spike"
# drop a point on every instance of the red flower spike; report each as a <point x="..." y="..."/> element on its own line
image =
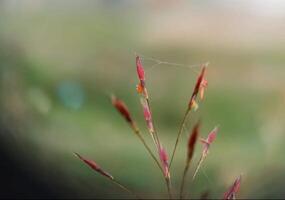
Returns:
<point x="122" y="109"/>
<point x="199" y="81"/>
<point x="164" y="161"/>
<point x="192" y="141"/>
<point x="140" y="70"/>
<point x="94" y="166"/>
<point x="197" y="88"/>
<point x="141" y="89"/>
<point x="231" y="193"/>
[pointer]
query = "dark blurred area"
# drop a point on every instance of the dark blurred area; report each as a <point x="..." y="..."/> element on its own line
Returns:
<point x="19" y="182"/>
<point x="61" y="60"/>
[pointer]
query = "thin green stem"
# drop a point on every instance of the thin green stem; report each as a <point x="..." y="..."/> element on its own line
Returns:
<point x="124" y="188"/>
<point x="198" y="166"/>
<point x="149" y="150"/>
<point x="158" y="145"/>
<point x="155" y="135"/>
<point x="137" y="132"/>
<point x="179" y="134"/>
<point x="168" y="184"/>
<point x="183" y="180"/>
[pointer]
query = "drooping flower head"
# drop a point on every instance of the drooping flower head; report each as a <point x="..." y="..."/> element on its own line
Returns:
<point x="164" y="161"/>
<point x="94" y="166"/>
<point x="231" y="193"/>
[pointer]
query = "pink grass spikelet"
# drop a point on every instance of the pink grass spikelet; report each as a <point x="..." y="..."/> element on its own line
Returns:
<point x="231" y="193"/>
<point x="206" y="142"/>
<point x="94" y="166"/>
<point x="148" y="117"/>
<point x="164" y="161"/>
<point x="141" y="76"/>
<point x="210" y="139"/>
<point x="141" y="89"/>
<point x="140" y="69"/>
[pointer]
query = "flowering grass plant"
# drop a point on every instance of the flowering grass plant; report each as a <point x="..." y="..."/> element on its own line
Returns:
<point x="160" y="156"/>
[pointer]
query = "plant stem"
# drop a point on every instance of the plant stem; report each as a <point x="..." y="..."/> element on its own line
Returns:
<point x="124" y="188"/>
<point x="183" y="180"/>
<point x="168" y="184"/>
<point x="158" y="145"/>
<point x="179" y="134"/>
<point x="154" y="135"/>
<point x="156" y="161"/>
<point x="198" y="166"/>
<point x="156" y="141"/>
<point x="149" y="150"/>
<point x="137" y="132"/>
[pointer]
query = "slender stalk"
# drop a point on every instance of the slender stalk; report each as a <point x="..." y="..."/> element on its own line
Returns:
<point x="156" y="161"/>
<point x="179" y="134"/>
<point x="149" y="150"/>
<point x="158" y="145"/>
<point x="124" y="188"/>
<point x="155" y="135"/>
<point x="198" y="166"/>
<point x="152" y="131"/>
<point x="183" y="180"/>
<point x="168" y="184"/>
<point x="137" y="132"/>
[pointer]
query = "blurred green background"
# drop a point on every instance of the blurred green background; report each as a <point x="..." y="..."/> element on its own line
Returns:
<point x="60" y="61"/>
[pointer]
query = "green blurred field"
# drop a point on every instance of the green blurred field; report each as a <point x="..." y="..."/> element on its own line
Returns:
<point x="58" y="69"/>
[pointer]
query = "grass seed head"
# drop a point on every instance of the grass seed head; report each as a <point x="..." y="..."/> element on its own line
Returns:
<point x="200" y="86"/>
<point x="94" y="166"/>
<point x="210" y="139"/>
<point x="164" y="161"/>
<point x="122" y="109"/>
<point x="192" y="141"/>
<point x="140" y="69"/>
<point x="231" y="193"/>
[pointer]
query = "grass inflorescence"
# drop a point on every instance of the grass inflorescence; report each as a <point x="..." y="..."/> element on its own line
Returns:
<point x="160" y="155"/>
